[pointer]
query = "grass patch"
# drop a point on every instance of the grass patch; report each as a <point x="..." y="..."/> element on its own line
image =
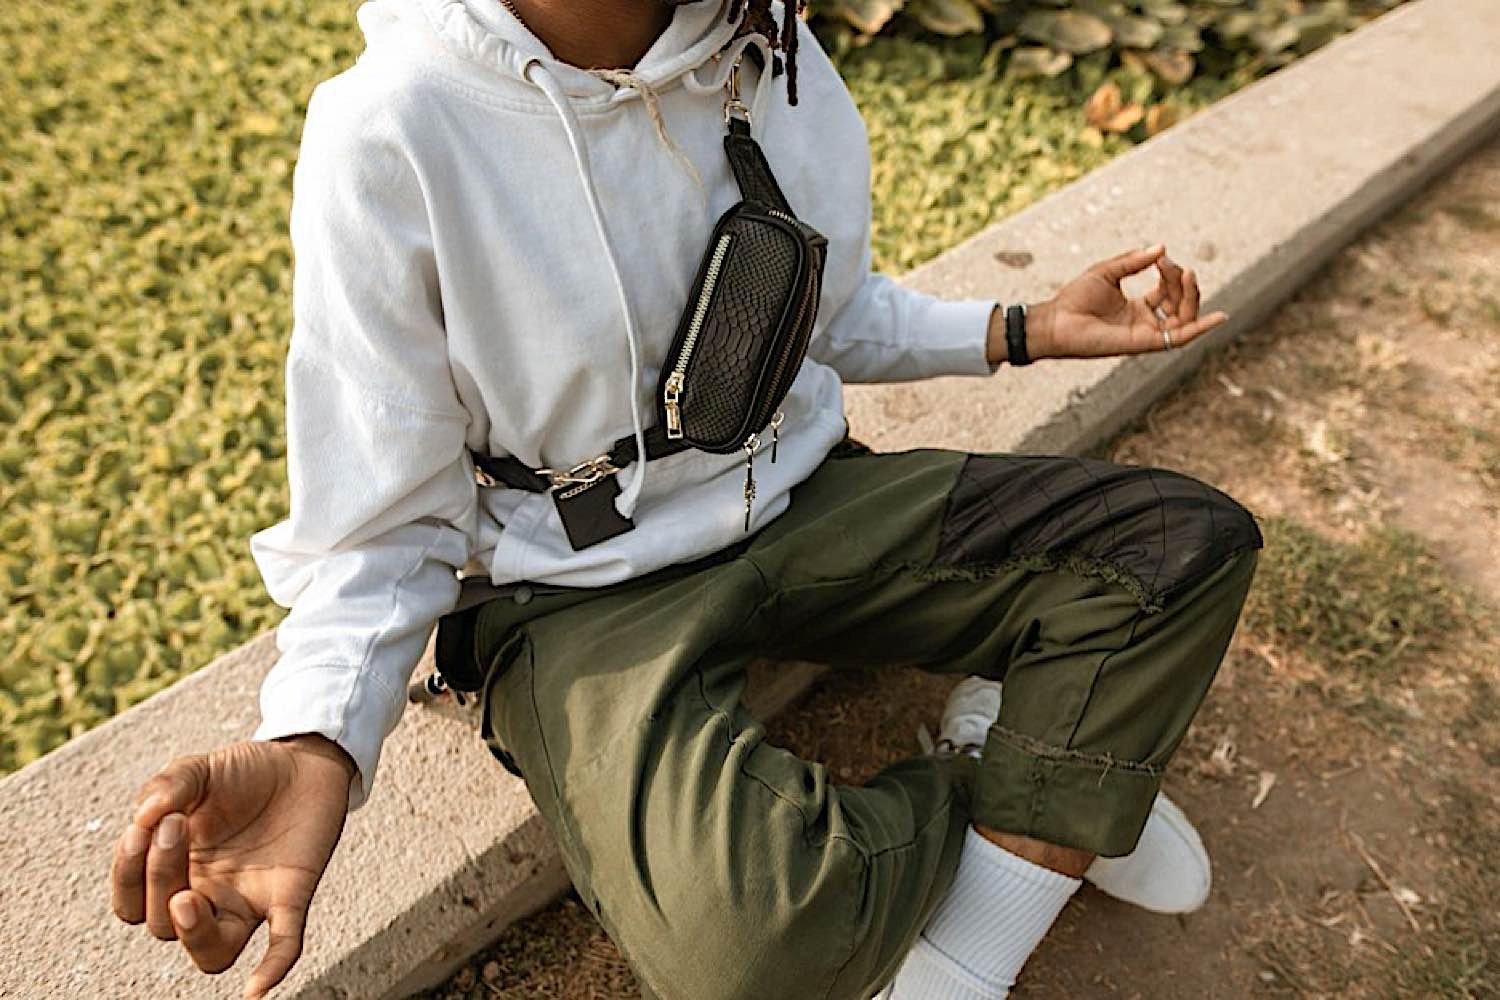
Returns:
<point x="1472" y="215"/>
<point x="1362" y="608"/>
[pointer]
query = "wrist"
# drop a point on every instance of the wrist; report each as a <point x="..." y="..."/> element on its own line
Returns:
<point x="1040" y="320"/>
<point x="321" y="746"/>
<point x="995" y="351"/>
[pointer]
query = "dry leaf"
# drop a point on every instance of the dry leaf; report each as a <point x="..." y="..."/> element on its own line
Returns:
<point x="1263" y="788"/>
<point x="1015" y="258"/>
<point x="1107" y="111"/>
<point x="1223" y="755"/>
<point x="1162" y="117"/>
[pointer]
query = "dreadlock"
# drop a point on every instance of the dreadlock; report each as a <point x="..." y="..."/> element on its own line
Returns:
<point x="759" y="19"/>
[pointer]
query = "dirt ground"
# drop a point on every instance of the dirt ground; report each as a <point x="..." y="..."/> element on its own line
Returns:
<point x="1345" y="768"/>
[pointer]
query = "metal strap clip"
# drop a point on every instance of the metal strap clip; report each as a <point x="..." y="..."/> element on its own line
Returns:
<point x="732" y="103"/>
<point x="583" y="474"/>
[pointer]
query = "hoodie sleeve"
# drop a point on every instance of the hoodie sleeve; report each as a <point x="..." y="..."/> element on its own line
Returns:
<point x="886" y="332"/>
<point x="383" y="501"/>
<point x="871" y="328"/>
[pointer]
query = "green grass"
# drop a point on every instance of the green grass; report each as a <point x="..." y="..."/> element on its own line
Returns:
<point x="144" y="189"/>
<point x="1364" y="608"/>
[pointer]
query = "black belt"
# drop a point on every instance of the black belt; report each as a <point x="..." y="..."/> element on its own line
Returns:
<point x="511" y="471"/>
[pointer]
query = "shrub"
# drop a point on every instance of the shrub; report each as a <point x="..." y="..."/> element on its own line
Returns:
<point x="1170" y="38"/>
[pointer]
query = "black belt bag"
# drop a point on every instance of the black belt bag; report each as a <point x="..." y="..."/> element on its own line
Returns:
<point x="739" y="345"/>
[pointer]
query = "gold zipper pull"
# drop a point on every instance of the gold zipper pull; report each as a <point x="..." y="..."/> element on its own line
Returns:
<point x="751" y="443"/>
<point x="672" y="397"/>
<point x="776" y="433"/>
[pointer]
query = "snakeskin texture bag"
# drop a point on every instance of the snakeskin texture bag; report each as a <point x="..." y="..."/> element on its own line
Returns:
<point x="749" y="316"/>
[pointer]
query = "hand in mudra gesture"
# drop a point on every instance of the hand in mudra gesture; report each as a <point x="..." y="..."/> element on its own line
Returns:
<point x="225" y="840"/>
<point x="1091" y="317"/>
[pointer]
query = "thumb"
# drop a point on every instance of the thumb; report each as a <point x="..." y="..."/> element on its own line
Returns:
<point x="1120" y="267"/>
<point x="285" y="924"/>
<point x="178" y="787"/>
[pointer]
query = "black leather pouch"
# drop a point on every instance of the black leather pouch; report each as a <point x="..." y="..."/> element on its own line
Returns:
<point x="749" y="317"/>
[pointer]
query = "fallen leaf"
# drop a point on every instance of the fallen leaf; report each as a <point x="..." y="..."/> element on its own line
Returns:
<point x="1263" y="788"/>
<point x="1407" y="896"/>
<point x="1162" y="117"/>
<point x="1107" y="111"/>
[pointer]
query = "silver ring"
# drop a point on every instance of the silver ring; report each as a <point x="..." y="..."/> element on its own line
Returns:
<point x="1161" y="316"/>
<point x="1166" y="337"/>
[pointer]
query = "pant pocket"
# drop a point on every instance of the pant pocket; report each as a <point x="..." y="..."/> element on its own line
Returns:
<point x="505" y="657"/>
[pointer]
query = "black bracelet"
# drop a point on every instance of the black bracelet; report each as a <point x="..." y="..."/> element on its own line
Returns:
<point x="1015" y="336"/>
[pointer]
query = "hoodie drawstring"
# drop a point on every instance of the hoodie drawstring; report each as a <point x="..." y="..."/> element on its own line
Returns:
<point x="539" y="75"/>
<point x="652" y="100"/>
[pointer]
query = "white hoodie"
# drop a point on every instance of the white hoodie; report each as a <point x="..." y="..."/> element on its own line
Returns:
<point x="492" y="251"/>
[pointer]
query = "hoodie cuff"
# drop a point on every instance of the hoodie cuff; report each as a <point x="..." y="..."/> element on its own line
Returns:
<point x="325" y="699"/>
<point x="955" y="336"/>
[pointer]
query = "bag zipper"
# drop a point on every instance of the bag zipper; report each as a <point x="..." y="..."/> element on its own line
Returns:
<point x="672" y="391"/>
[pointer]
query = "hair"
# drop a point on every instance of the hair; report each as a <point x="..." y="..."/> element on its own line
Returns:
<point x="759" y="19"/>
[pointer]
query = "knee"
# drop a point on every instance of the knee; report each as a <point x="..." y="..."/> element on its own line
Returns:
<point x="1204" y="533"/>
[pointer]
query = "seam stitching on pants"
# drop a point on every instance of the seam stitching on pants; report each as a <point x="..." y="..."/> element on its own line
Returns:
<point x="1062" y="755"/>
<point x="942" y="810"/>
<point x="1077" y="563"/>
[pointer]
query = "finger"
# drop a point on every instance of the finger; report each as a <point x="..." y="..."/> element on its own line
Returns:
<point x="1118" y="268"/>
<point x="282" y="950"/>
<point x="127" y="875"/>
<point x="175" y="788"/>
<point x="166" y="873"/>
<point x="1171" y="279"/>
<point x="1187" y="312"/>
<point x="1184" y="335"/>
<point x="213" y="940"/>
<point x="1156" y="296"/>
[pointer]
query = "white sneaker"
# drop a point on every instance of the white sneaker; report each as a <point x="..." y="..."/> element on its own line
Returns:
<point x="1168" y="872"/>
<point x="972" y="707"/>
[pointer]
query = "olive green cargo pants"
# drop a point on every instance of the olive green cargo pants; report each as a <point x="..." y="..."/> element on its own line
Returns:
<point x="724" y="867"/>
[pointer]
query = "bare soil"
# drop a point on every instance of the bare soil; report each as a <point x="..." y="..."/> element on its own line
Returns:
<point x="1345" y="768"/>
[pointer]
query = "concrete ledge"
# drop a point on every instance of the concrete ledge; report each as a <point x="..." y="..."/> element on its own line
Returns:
<point x="1256" y="193"/>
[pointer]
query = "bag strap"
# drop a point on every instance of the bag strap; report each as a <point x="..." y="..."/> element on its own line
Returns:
<point x="751" y="171"/>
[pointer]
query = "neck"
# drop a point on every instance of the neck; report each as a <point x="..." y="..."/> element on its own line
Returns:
<point x="596" y="34"/>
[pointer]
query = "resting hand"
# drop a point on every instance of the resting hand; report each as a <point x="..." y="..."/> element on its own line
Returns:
<point x="224" y="840"/>
<point x="1090" y="317"/>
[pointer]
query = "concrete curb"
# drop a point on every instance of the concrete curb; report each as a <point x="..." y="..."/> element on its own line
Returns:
<point x="1255" y="193"/>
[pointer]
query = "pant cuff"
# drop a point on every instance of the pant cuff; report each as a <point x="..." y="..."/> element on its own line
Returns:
<point x="1090" y="802"/>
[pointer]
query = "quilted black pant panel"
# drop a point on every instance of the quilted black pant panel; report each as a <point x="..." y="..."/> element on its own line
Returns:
<point x="1161" y="530"/>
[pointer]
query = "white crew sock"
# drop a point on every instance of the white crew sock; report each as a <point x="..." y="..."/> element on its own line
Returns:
<point x="993" y="917"/>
